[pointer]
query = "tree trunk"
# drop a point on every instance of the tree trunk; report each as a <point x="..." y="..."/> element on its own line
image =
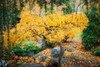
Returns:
<point x="61" y="54"/>
<point x="2" y="19"/>
<point x="45" y="6"/>
<point x="51" y="6"/>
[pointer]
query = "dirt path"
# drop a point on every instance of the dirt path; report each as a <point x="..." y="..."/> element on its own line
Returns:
<point x="75" y="55"/>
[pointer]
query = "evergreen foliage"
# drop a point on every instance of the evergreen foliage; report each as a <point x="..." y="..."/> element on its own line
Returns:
<point x="91" y="34"/>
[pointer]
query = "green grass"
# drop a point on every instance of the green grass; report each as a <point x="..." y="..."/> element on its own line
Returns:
<point x="77" y="36"/>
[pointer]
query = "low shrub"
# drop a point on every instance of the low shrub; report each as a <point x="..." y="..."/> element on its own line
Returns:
<point x="25" y="47"/>
<point x="96" y="51"/>
<point x="21" y="62"/>
<point x="50" y="44"/>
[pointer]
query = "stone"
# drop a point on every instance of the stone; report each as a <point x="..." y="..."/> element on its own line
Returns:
<point x="87" y="62"/>
<point x="31" y="53"/>
<point x="75" y="66"/>
<point x="95" y="62"/>
<point x="83" y="56"/>
<point x="80" y="66"/>
<point x="3" y="63"/>
<point x="18" y="15"/>
<point x="92" y="59"/>
<point x="44" y="51"/>
<point x="74" y="57"/>
<point x="69" y="49"/>
<point x="43" y="58"/>
<point x="41" y="43"/>
<point x="11" y="63"/>
<point x="65" y="59"/>
<point x="75" y="52"/>
<point x="72" y="45"/>
<point x="55" y="52"/>
<point x="31" y="65"/>
<point x="54" y="61"/>
<point x="36" y="55"/>
<point x="0" y="64"/>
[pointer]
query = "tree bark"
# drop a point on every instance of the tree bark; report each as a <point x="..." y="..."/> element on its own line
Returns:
<point x="61" y="54"/>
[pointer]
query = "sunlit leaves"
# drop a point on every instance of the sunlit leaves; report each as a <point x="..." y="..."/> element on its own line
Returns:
<point x="54" y="27"/>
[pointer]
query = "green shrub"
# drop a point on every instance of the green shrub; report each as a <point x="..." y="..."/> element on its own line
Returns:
<point x="21" y="62"/>
<point x="25" y="47"/>
<point x="50" y="44"/>
<point x="91" y="35"/>
<point x="96" y="51"/>
<point x="49" y="11"/>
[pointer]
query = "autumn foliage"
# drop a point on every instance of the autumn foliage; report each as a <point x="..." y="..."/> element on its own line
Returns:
<point x="54" y="27"/>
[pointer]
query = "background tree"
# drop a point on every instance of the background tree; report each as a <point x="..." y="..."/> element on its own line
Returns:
<point x="8" y="18"/>
<point x="90" y="35"/>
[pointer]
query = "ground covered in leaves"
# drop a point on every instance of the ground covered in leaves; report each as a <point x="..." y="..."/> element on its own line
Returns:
<point x="75" y="55"/>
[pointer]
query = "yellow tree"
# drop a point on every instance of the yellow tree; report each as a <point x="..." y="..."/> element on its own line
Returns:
<point x="54" y="27"/>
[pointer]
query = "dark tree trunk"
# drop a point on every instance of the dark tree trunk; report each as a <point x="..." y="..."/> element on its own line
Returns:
<point x="51" y="6"/>
<point x="2" y="19"/>
<point x="45" y="6"/>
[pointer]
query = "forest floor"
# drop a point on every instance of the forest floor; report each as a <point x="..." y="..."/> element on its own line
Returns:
<point x="74" y="56"/>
